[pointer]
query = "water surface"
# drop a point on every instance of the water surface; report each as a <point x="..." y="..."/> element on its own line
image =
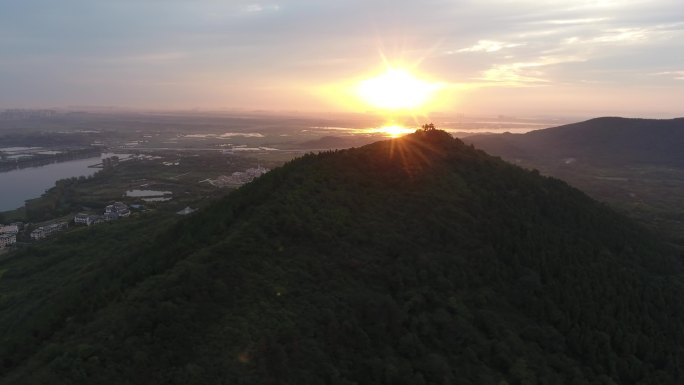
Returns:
<point x="17" y="186"/>
<point x="146" y="193"/>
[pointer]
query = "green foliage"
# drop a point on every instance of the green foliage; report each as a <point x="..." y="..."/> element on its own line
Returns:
<point x="412" y="261"/>
<point x="635" y="165"/>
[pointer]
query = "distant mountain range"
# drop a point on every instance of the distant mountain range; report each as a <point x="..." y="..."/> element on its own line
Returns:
<point x="611" y="141"/>
<point x="418" y="260"/>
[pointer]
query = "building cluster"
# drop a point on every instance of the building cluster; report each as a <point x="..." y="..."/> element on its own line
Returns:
<point x="239" y="178"/>
<point x="7" y="240"/>
<point x="115" y="211"/>
<point x="8" y="234"/>
<point x="47" y="230"/>
<point x="112" y="212"/>
<point x="88" y="219"/>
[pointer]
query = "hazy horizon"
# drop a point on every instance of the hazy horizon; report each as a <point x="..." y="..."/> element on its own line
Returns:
<point x="577" y="58"/>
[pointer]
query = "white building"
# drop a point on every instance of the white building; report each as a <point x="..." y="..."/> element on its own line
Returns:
<point x="87" y="219"/>
<point x="82" y="219"/>
<point x="9" y="229"/>
<point x="239" y="178"/>
<point x="118" y="208"/>
<point x="187" y="210"/>
<point x="7" y="240"/>
<point x="95" y="219"/>
<point x="45" y="231"/>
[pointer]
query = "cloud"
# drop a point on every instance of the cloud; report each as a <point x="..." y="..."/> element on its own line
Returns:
<point x="629" y="35"/>
<point x="257" y="8"/>
<point x="487" y="46"/>
<point x="589" y="20"/>
<point x="677" y="75"/>
<point x="514" y="74"/>
<point x="623" y="35"/>
<point x="524" y="73"/>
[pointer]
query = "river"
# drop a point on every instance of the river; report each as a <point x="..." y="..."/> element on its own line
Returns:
<point x="17" y="186"/>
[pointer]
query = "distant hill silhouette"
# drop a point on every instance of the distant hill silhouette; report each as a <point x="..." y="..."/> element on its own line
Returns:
<point x="608" y="140"/>
<point x="418" y="260"/>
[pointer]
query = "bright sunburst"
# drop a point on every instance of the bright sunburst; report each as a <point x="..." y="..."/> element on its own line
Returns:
<point x="394" y="131"/>
<point x="396" y="89"/>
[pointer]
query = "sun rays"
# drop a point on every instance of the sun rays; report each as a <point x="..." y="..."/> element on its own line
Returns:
<point x="397" y="89"/>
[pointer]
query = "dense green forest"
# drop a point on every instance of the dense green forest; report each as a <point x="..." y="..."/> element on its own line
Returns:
<point x="634" y="165"/>
<point x="417" y="260"/>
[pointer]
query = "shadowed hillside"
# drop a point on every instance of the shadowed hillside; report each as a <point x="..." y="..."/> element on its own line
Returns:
<point x="636" y="165"/>
<point x="417" y="260"/>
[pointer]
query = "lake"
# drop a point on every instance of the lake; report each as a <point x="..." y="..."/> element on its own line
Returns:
<point x="16" y="186"/>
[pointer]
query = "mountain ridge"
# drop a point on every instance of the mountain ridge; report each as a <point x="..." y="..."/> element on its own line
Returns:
<point x="612" y="140"/>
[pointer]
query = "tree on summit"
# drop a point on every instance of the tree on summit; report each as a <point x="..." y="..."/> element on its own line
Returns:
<point x="428" y="127"/>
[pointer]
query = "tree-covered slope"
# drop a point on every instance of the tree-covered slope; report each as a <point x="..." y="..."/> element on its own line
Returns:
<point x="635" y="165"/>
<point x="417" y="260"/>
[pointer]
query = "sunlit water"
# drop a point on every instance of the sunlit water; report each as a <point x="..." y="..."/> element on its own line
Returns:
<point x="457" y="129"/>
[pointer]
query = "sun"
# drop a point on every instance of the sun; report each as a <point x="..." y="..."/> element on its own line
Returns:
<point x="393" y="131"/>
<point x="397" y="89"/>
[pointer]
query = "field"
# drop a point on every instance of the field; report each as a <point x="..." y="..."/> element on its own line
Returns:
<point x="182" y="176"/>
<point x="649" y="194"/>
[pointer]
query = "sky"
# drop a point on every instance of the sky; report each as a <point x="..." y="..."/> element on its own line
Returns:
<point x="562" y="57"/>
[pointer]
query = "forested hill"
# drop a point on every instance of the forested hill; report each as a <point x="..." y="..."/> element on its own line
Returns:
<point x="601" y="141"/>
<point x="417" y="260"/>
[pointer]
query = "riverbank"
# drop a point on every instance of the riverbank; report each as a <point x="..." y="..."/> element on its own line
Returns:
<point x="23" y="184"/>
<point x="38" y="158"/>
